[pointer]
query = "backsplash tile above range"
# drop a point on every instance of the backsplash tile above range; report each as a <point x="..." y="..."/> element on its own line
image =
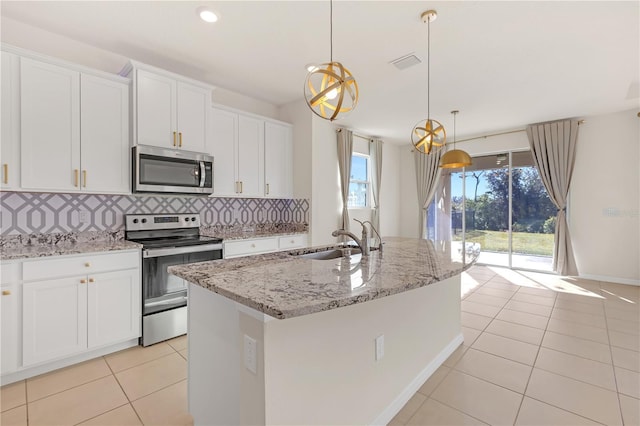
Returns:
<point x="43" y="213"/>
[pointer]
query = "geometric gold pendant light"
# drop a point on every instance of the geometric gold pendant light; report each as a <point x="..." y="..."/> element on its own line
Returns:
<point x="330" y="89"/>
<point x="455" y="158"/>
<point x="428" y="134"/>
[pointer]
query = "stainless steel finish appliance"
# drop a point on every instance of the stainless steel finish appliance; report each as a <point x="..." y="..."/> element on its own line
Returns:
<point x="167" y="239"/>
<point x="171" y="170"/>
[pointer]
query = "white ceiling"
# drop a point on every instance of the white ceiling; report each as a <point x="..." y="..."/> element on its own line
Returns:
<point x="502" y="64"/>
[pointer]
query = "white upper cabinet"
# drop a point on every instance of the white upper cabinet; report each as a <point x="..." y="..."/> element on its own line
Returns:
<point x="104" y="132"/>
<point x="66" y="125"/>
<point x="224" y="129"/>
<point x="193" y="106"/>
<point x="170" y="111"/>
<point x="50" y="126"/>
<point x="10" y="142"/>
<point x="278" y="160"/>
<point x="156" y="110"/>
<point x="252" y="155"/>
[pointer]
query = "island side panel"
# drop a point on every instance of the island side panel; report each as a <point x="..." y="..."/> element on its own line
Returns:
<point x="220" y="390"/>
<point x="321" y="368"/>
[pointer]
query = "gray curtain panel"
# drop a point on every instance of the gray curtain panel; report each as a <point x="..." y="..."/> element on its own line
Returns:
<point x="376" y="180"/>
<point x="427" y="176"/>
<point x="553" y="146"/>
<point x="345" y="150"/>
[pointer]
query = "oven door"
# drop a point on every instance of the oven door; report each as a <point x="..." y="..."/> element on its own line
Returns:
<point x="168" y="170"/>
<point x="162" y="291"/>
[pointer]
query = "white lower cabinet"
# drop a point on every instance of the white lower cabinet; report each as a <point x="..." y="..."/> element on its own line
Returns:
<point x="9" y="311"/>
<point x="251" y="246"/>
<point x="113" y="311"/>
<point x="50" y="313"/>
<point x="54" y="319"/>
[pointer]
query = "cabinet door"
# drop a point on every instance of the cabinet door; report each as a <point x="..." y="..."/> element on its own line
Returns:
<point x="113" y="307"/>
<point x="156" y="110"/>
<point x="10" y="142"/>
<point x="193" y="106"/>
<point x="50" y="126"/>
<point x="277" y="160"/>
<point x="224" y="137"/>
<point x="104" y="124"/>
<point x="251" y="156"/>
<point x="54" y="319"/>
<point x="9" y="328"/>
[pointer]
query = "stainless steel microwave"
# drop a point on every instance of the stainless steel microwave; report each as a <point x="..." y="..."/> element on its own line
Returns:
<point x="170" y="170"/>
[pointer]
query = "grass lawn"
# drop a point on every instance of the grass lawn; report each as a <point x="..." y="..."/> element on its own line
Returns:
<point x="523" y="242"/>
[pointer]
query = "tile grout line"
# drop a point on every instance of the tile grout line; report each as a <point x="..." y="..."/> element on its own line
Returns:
<point x="122" y="389"/>
<point x="524" y="392"/>
<point x="615" y="376"/>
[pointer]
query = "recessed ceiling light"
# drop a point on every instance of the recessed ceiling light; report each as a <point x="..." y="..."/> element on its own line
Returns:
<point x="207" y="15"/>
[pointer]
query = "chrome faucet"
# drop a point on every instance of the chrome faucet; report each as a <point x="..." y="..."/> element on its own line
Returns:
<point x="376" y="231"/>
<point x="363" y="243"/>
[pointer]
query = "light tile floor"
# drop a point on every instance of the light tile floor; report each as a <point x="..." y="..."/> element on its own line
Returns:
<point x="133" y="387"/>
<point x="538" y="350"/>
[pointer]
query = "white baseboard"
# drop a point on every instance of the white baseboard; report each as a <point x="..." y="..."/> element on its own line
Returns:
<point x="389" y="413"/>
<point x="65" y="362"/>
<point x="616" y="280"/>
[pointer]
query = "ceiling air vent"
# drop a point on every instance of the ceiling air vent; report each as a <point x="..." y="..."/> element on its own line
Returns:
<point x="406" y="61"/>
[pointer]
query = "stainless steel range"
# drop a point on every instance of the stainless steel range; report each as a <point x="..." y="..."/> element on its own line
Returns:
<point x="167" y="239"/>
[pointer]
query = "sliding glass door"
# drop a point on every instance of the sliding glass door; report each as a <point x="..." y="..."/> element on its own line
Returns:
<point x="500" y="203"/>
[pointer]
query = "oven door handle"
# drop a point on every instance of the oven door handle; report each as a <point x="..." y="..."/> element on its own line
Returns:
<point x="146" y="253"/>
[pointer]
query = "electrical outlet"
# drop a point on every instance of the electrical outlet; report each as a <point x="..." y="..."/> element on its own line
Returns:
<point x="379" y="347"/>
<point x="83" y="216"/>
<point x="250" y="354"/>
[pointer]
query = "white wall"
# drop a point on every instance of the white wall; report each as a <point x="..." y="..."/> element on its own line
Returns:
<point x="604" y="201"/>
<point x="390" y="191"/>
<point x="326" y="202"/>
<point x="37" y="40"/>
<point x="408" y="194"/>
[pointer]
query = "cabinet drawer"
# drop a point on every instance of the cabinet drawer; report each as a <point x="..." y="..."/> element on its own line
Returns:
<point x="247" y="247"/>
<point x="292" y="241"/>
<point x="10" y="272"/>
<point x="79" y="265"/>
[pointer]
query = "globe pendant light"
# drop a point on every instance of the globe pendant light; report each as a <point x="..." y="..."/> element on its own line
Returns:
<point x="428" y="133"/>
<point x="330" y="89"/>
<point x="455" y="158"/>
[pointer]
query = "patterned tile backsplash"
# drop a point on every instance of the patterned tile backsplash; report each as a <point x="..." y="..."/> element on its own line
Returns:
<point x="26" y="212"/>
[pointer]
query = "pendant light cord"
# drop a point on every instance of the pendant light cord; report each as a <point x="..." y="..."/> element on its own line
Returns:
<point x="331" y="28"/>
<point x="428" y="67"/>
<point x="454" y="129"/>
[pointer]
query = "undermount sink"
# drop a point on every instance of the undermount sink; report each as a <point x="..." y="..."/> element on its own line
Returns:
<point x="331" y="254"/>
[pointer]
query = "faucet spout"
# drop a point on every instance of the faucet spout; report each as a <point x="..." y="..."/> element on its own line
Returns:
<point x="364" y="249"/>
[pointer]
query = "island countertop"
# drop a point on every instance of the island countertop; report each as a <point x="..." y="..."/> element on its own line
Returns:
<point x="285" y="285"/>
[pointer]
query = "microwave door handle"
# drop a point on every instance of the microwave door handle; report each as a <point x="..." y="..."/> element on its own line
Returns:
<point x="203" y="173"/>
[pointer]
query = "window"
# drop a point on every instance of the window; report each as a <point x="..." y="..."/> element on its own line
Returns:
<point x="359" y="182"/>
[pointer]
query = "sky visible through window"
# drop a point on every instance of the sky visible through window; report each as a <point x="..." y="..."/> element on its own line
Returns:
<point x="358" y="168"/>
<point x="456" y="184"/>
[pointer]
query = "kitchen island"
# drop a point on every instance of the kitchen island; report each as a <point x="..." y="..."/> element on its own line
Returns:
<point x="284" y="339"/>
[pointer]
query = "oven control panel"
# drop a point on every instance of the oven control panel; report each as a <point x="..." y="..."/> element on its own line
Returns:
<point x="141" y="222"/>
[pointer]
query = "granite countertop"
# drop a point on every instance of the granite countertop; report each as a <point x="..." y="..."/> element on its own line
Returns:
<point x="284" y="285"/>
<point x="43" y="245"/>
<point x="247" y="232"/>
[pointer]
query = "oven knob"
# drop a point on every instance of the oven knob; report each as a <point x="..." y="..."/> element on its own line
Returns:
<point x="144" y="220"/>
<point x="186" y="219"/>
<point x="135" y="220"/>
<point x="193" y="219"/>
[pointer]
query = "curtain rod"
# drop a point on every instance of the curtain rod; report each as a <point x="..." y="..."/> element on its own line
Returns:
<point x="497" y="134"/>
<point x="369" y="138"/>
